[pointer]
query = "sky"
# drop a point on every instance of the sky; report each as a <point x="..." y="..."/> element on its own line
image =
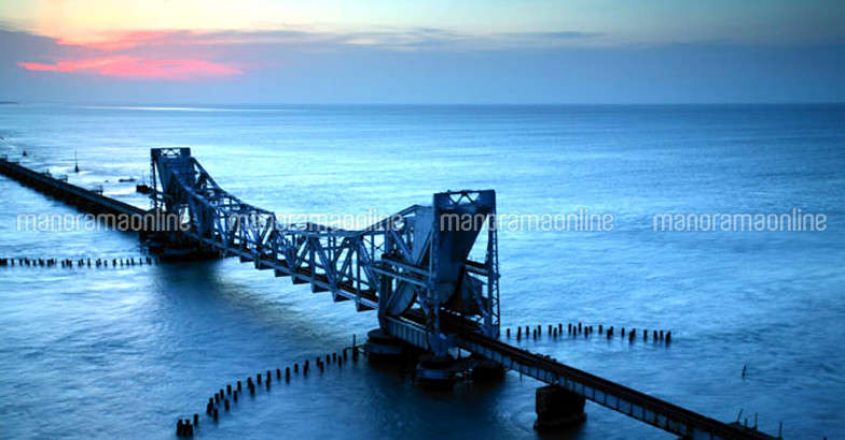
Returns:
<point x="422" y="51"/>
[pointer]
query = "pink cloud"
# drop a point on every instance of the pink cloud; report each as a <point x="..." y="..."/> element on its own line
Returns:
<point x="132" y="67"/>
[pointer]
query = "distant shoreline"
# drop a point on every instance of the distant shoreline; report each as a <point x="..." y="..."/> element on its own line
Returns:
<point x="9" y="103"/>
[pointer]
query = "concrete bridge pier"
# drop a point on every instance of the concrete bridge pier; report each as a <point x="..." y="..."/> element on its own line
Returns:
<point x="436" y="372"/>
<point x="558" y="408"/>
<point x="487" y="371"/>
<point x="382" y="347"/>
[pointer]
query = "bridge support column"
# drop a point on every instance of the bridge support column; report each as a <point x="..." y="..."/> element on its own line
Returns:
<point x="487" y="371"/>
<point x="558" y="408"/>
<point x="436" y="372"/>
<point x="382" y="347"/>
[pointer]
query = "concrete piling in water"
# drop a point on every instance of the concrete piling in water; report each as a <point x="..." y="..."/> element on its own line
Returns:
<point x="239" y="385"/>
<point x="235" y="396"/>
<point x="278" y="374"/>
<point x="287" y="374"/>
<point x="519" y="333"/>
<point x="258" y="378"/>
<point x="557" y="408"/>
<point x="305" y="365"/>
<point x="226" y="404"/>
<point x="228" y="388"/>
<point x="216" y="414"/>
<point x="645" y="334"/>
<point x="668" y="337"/>
<point x="196" y="419"/>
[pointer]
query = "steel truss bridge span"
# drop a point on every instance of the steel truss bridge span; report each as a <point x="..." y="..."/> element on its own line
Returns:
<point x="417" y="273"/>
<point x="416" y="258"/>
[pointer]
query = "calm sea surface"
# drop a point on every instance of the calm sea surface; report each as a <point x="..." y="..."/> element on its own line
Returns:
<point x="121" y="353"/>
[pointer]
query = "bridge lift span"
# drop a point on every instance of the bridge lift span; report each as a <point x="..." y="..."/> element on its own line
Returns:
<point x="416" y="259"/>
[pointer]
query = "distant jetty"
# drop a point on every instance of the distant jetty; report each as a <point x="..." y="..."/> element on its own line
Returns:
<point x="9" y="103"/>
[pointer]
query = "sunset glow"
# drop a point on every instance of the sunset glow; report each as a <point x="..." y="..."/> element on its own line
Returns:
<point x="423" y="51"/>
<point x="132" y="67"/>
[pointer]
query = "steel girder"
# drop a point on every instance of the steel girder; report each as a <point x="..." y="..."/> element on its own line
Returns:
<point x="416" y="258"/>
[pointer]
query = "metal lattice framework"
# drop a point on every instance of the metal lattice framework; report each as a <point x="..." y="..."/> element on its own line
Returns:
<point x="417" y="260"/>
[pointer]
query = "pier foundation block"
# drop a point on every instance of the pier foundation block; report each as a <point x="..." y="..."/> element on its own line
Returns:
<point x="382" y="347"/>
<point x="487" y="371"/>
<point x="558" y="408"/>
<point x="436" y="372"/>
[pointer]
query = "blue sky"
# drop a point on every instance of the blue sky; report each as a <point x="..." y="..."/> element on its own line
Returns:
<point x="473" y="51"/>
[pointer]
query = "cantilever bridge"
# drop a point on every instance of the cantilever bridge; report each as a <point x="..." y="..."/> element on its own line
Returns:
<point x="415" y="268"/>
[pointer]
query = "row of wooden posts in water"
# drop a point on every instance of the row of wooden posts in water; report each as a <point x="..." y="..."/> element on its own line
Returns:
<point x="555" y="331"/>
<point x="70" y="263"/>
<point x="227" y="397"/>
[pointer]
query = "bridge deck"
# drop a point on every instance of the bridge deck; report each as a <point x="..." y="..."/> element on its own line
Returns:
<point x="67" y="192"/>
<point x="632" y="403"/>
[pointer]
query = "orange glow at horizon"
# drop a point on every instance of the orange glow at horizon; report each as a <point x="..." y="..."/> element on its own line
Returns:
<point x="85" y="22"/>
<point x="92" y="20"/>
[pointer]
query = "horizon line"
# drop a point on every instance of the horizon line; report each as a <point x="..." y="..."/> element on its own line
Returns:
<point x="415" y="104"/>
